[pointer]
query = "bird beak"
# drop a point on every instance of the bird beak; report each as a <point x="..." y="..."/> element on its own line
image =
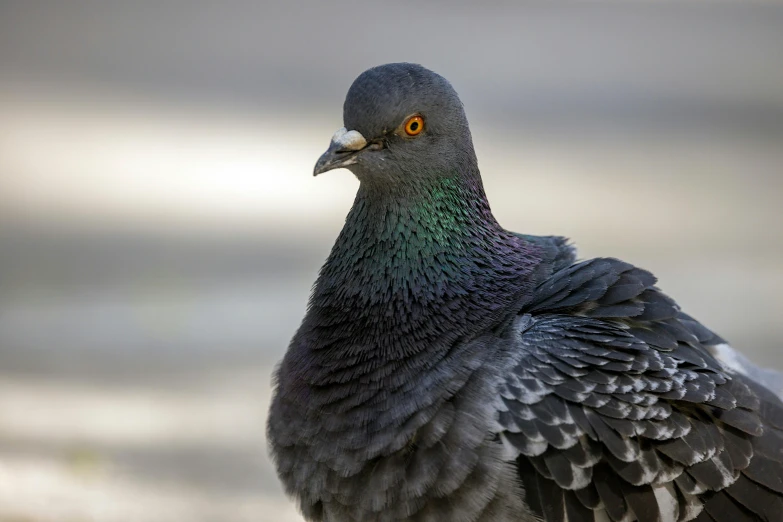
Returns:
<point x="341" y="152"/>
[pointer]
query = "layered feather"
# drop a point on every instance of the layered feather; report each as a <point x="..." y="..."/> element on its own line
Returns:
<point x="616" y="409"/>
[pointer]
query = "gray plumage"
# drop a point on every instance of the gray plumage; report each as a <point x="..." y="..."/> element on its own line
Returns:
<point x="448" y="369"/>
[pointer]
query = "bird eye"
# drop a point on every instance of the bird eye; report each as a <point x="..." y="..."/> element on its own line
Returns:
<point x="414" y="125"/>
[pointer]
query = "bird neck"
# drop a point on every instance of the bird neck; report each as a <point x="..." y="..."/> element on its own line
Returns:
<point x="422" y="267"/>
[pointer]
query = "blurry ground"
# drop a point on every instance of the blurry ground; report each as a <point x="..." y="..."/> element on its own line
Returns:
<point x="160" y="230"/>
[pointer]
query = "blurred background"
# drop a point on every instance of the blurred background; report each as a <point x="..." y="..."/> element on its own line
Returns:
<point x="160" y="228"/>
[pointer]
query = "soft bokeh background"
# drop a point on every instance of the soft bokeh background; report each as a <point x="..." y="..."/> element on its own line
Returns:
<point x="160" y="228"/>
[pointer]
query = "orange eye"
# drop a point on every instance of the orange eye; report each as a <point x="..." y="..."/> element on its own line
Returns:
<point x="414" y="125"/>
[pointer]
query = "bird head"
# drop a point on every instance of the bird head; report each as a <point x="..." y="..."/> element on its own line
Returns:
<point x="403" y="124"/>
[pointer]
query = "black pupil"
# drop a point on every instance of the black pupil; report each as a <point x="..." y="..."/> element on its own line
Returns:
<point x="414" y="126"/>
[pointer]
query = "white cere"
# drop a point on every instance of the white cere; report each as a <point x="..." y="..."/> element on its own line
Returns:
<point x="349" y="140"/>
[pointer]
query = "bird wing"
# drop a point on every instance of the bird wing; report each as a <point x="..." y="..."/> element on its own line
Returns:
<point x="615" y="408"/>
<point x="557" y="251"/>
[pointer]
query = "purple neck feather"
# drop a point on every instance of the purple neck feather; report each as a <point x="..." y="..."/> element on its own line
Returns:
<point x="413" y="270"/>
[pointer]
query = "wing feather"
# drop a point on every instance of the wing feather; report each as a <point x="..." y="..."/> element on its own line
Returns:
<point x="616" y="408"/>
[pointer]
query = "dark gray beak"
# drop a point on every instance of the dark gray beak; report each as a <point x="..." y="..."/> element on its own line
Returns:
<point x="341" y="152"/>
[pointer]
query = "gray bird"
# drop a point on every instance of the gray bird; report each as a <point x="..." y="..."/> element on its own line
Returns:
<point x="448" y="369"/>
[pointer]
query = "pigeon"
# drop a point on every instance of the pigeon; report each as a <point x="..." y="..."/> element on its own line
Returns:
<point x="448" y="369"/>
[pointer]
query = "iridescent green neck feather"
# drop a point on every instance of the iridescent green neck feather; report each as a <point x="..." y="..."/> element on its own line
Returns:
<point x="415" y="268"/>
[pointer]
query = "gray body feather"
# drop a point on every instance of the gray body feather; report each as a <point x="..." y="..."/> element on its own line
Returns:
<point x="450" y="370"/>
